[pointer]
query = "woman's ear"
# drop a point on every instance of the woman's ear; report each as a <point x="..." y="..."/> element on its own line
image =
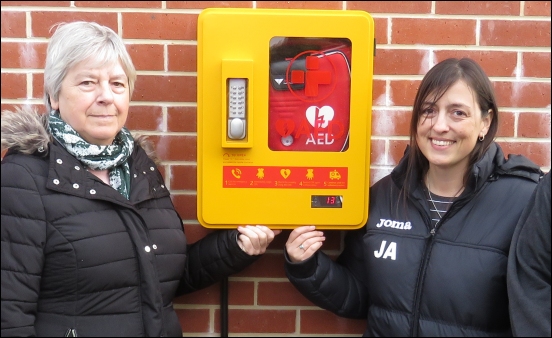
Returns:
<point x="53" y="103"/>
<point x="486" y="122"/>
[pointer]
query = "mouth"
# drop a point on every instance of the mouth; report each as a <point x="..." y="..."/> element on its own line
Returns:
<point x="102" y="116"/>
<point x="441" y="143"/>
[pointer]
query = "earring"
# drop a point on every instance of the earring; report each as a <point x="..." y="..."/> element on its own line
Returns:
<point x="481" y="138"/>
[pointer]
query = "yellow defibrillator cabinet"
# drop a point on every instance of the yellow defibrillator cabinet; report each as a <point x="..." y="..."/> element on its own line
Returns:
<point x="284" y="117"/>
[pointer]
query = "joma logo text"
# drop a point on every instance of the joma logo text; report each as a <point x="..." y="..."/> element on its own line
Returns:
<point x="394" y="224"/>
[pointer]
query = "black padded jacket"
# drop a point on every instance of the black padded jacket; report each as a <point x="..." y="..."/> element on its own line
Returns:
<point x="529" y="265"/>
<point x="408" y="280"/>
<point x="77" y="255"/>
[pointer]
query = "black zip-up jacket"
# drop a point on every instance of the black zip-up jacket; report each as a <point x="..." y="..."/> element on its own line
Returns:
<point x="77" y="255"/>
<point x="529" y="265"/>
<point x="408" y="281"/>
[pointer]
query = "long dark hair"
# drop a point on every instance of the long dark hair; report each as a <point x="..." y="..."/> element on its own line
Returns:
<point x="435" y="83"/>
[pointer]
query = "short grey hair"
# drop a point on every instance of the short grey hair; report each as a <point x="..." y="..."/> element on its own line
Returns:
<point x="78" y="41"/>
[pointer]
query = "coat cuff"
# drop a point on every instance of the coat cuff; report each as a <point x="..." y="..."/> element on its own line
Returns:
<point x="303" y="269"/>
<point x="238" y="251"/>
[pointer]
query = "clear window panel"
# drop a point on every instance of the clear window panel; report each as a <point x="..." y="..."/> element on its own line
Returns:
<point x="309" y="94"/>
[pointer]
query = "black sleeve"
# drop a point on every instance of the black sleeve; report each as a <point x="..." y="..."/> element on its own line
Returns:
<point x="212" y="258"/>
<point x="23" y="237"/>
<point x="529" y="267"/>
<point x="336" y="286"/>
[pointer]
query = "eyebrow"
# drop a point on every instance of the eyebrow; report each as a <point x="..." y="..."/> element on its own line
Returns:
<point x="94" y="75"/>
<point x="120" y="76"/>
<point x="453" y="105"/>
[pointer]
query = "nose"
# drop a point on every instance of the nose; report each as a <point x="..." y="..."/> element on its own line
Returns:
<point x="440" y="123"/>
<point x="105" y="95"/>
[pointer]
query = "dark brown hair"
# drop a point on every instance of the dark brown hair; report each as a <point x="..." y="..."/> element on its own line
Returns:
<point x="435" y="83"/>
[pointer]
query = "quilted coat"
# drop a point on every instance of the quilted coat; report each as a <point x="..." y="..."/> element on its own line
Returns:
<point x="407" y="279"/>
<point x="80" y="259"/>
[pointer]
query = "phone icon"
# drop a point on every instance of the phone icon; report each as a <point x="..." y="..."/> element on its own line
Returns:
<point x="236" y="173"/>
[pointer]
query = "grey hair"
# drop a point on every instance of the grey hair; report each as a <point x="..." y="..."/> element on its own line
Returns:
<point x="78" y="41"/>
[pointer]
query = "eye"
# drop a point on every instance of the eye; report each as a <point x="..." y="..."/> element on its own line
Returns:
<point x="459" y="113"/>
<point x="118" y="87"/>
<point x="428" y="111"/>
<point x="87" y="83"/>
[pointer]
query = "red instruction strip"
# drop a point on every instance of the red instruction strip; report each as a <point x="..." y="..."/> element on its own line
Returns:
<point x="284" y="177"/>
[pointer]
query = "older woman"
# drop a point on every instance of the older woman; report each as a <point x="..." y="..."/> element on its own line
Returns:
<point x="431" y="260"/>
<point x="91" y="242"/>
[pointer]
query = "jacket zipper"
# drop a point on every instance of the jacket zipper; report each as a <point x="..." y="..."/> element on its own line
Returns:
<point x="417" y="301"/>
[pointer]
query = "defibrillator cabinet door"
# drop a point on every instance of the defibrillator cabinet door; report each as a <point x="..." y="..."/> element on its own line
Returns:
<point x="284" y="117"/>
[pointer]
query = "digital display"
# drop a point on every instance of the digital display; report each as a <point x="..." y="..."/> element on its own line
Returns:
<point x="325" y="201"/>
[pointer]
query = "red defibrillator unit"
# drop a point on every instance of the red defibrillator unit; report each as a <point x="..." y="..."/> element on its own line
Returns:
<point x="310" y="85"/>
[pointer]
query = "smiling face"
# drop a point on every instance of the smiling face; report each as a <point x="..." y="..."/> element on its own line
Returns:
<point x="94" y="101"/>
<point x="448" y="129"/>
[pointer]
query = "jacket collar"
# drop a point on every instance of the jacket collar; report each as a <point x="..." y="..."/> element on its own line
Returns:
<point x="68" y="175"/>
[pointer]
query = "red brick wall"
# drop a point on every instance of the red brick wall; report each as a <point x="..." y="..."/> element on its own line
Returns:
<point x="511" y="40"/>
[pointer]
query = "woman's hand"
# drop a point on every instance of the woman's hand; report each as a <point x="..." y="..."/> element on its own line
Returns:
<point x="303" y="242"/>
<point x="254" y="240"/>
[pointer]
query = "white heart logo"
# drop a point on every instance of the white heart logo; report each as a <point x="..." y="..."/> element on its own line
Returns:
<point x="322" y="116"/>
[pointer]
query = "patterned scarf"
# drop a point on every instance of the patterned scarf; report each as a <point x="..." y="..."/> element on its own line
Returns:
<point x="113" y="157"/>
